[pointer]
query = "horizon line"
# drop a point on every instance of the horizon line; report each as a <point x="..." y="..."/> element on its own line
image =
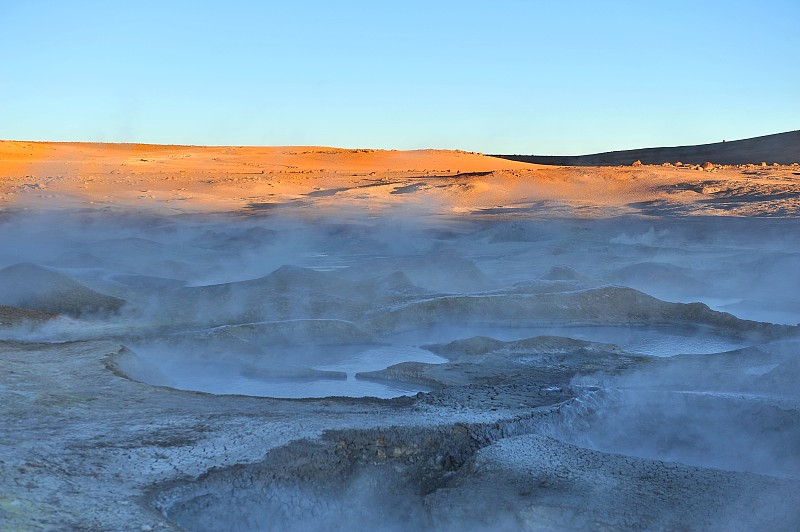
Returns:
<point x="134" y="143"/>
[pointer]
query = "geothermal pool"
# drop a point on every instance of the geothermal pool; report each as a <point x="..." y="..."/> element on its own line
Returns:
<point x="566" y="374"/>
<point x="238" y="374"/>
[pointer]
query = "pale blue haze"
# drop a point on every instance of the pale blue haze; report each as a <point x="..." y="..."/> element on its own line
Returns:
<point x="549" y="77"/>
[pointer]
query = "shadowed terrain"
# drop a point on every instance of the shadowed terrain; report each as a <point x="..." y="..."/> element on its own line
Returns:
<point x="781" y="148"/>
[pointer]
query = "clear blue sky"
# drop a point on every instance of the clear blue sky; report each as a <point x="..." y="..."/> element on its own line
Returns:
<point x="546" y="77"/>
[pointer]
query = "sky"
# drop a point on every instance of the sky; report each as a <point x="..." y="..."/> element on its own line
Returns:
<point x="533" y="77"/>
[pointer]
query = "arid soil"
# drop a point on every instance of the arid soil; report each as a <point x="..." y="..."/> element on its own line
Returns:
<point x="305" y="338"/>
<point x="178" y="179"/>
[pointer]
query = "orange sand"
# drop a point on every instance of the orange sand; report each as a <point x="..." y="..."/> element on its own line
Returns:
<point x="208" y="178"/>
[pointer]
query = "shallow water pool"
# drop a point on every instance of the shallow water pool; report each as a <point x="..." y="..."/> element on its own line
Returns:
<point x="336" y="366"/>
<point x="238" y="374"/>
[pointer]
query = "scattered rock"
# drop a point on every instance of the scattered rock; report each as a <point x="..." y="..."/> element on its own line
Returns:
<point x="707" y="166"/>
<point x="637" y="162"/>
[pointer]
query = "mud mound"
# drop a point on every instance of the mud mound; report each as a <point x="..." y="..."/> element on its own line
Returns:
<point x="482" y="345"/>
<point x="16" y="316"/>
<point x="290" y="292"/>
<point x="469" y="476"/>
<point x="735" y="369"/>
<point x="516" y="232"/>
<point x="597" y="306"/>
<point x="372" y="479"/>
<point x="295" y="332"/>
<point x="658" y="276"/>
<point x="290" y="277"/>
<point x="33" y="287"/>
<point x="546" y="286"/>
<point x="484" y="360"/>
<point x="532" y="482"/>
<point x="437" y="272"/>
<point x="117" y="246"/>
<point x="127" y="363"/>
<point x="783" y="378"/>
<point x="447" y="273"/>
<point x="564" y="273"/>
<point x="231" y="240"/>
<point x="395" y="283"/>
<point x="293" y="292"/>
<point x="777" y="275"/>
<point x="147" y="282"/>
<point x="85" y="259"/>
<point x="733" y="431"/>
<point x="477" y="345"/>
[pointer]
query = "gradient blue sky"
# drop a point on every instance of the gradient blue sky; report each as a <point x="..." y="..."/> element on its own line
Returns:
<point x="545" y="77"/>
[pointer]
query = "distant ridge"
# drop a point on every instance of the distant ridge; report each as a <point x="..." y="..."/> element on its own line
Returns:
<point x="781" y="148"/>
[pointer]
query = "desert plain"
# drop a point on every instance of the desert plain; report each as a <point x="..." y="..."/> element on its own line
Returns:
<point x="315" y="338"/>
<point x="175" y="179"/>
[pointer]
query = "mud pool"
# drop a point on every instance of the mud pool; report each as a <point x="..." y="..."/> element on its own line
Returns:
<point x="230" y="373"/>
<point x="270" y="373"/>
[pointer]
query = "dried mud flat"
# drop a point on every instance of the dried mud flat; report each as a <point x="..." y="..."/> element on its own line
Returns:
<point x="494" y="359"/>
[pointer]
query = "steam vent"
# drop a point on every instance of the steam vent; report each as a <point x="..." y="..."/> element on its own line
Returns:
<point x="233" y="338"/>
